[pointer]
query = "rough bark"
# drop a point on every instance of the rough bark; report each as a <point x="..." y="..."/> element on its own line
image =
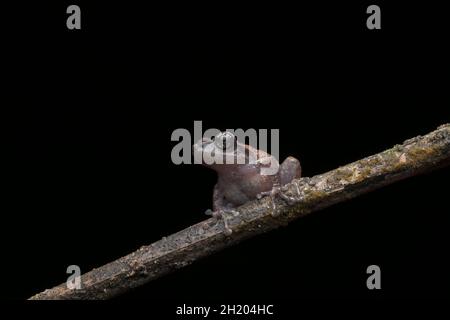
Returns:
<point x="414" y="156"/>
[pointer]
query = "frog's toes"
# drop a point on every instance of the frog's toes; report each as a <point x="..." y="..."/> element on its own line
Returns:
<point x="289" y="200"/>
<point x="263" y="194"/>
<point x="272" y="194"/>
<point x="227" y="230"/>
<point x="221" y="215"/>
<point x="278" y="191"/>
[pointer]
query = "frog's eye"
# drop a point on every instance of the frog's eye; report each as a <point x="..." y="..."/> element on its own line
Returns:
<point x="225" y="140"/>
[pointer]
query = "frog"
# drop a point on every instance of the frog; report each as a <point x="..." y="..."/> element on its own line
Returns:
<point x="243" y="173"/>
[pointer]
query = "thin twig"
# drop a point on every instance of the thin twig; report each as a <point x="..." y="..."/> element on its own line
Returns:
<point x="414" y="156"/>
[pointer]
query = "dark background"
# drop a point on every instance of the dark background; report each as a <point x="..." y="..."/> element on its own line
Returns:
<point x="89" y="115"/>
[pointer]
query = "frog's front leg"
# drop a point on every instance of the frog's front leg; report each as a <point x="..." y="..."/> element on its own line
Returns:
<point x="221" y="209"/>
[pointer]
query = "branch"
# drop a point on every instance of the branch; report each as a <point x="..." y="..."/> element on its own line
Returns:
<point x="414" y="156"/>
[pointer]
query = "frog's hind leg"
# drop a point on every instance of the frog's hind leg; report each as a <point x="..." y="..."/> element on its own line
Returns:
<point x="290" y="169"/>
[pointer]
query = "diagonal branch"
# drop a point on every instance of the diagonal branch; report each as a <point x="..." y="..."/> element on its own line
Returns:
<point x="414" y="156"/>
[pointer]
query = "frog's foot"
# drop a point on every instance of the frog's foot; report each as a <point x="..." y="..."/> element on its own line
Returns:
<point x="221" y="215"/>
<point x="276" y="191"/>
<point x="289" y="200"/>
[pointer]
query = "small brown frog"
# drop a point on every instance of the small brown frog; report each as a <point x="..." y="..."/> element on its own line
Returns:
<point x="242" y="172"/>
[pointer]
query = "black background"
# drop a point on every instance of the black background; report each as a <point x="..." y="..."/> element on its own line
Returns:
<point x="89" y="115"/>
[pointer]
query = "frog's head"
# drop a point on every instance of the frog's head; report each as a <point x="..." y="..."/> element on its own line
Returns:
<point x="221" y="150"/>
